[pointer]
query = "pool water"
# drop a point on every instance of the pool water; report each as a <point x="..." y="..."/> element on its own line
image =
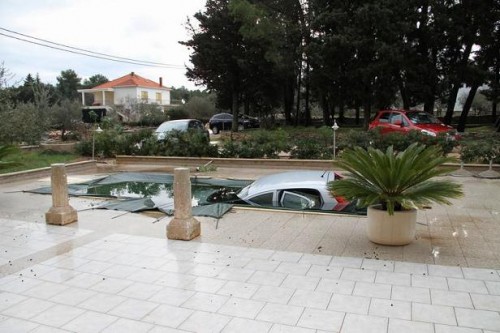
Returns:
<point x="156" y="191"/>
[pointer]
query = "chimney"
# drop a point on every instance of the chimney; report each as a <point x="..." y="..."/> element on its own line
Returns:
<point x="161" y="81"/>
<point x="132" y="73"/>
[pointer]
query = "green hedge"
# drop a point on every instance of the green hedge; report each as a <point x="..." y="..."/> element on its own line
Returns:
<point x="308" y="144"/>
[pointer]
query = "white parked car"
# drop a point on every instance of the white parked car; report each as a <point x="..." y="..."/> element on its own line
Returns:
<point x="181" y="125"/>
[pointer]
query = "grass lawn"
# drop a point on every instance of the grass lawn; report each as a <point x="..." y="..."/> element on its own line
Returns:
<point x="38" y="159"/>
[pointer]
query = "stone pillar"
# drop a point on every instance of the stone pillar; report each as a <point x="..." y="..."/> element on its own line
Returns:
<point x="61" y="212"/>
<point x="183" y="226"/>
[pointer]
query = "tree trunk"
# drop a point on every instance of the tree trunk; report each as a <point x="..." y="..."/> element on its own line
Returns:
<point x="465" y="111"/>
<point x="306" y="98"/>
<point x="494" y="112"/>
<point x="450" y="107"/>
<point x="341" y="111"/>
<point x="403" y="92"/>
<point x="367" y="114"/>
<point x="234" y="107"/>
<point x="430" y="99"/>
<point x="452" y="98"/>
<point x="297" y="109"/>
<point x="326" y="110"/>
<point x="246" y="106"/>
<point x="288" y="100"/>
<point x="495" y="88"/>
<point x="429" y="105"/>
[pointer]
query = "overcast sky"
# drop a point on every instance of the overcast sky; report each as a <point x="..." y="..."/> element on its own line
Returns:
<point x="147" y="30"/>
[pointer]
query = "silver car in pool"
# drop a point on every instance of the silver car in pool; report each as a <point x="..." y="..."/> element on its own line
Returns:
<point x="294" y="190"/>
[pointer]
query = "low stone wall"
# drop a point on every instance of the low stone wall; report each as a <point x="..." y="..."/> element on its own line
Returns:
<point x="59" y="147"/>
<point x="85" y="167"/>
<point x="193" y="162"/>
<point x="168" y="164"/>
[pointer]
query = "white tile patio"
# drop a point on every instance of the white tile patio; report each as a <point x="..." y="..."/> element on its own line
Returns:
<point x="257" y="272"/>
<point x="373" y="299"/>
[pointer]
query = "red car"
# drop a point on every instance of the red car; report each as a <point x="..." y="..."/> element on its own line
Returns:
<point x="403" y="121"/>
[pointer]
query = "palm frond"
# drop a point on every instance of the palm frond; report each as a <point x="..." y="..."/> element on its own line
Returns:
<point x="395" y="179"/>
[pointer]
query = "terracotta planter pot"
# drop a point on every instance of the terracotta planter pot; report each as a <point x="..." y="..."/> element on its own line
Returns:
<point x="385" y="229"/>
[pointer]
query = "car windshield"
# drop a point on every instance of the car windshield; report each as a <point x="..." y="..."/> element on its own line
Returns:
<point x="422" y="118"/>
<point x="244" y="191"/>
<point x="170" y="126"/>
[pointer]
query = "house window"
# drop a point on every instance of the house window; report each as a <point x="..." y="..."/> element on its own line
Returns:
<point x="144" y="96"/>
<point x="158" y="98"/>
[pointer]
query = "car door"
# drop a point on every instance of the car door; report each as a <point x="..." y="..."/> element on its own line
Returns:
<point x="198" y="126"/>
<point x="399" y="122"/>
<point x="294" y="200"/>
<point x="384" y="122"/>
<point x="227" y="121"/>
<point x="265" y="199"/>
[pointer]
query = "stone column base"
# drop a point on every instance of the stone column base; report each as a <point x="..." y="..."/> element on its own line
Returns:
<point x="61" y="215"/>
<point x="183" y="229"/>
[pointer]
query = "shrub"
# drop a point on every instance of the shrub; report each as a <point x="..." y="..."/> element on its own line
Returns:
<point x="242" y="149"/>
<point x="355" y="138"/>
<point x="229" y="149"/>
<point x="178" y="113"/>
<point x="309" y="149"/>
<point x="152" y="116"/>
<point x="176" y="143"/>
<point x="23" y="124"/>
<point x="257" y="144"/>
<point x="324" y="135"/>
<point x="480" y="149"/>
<point x="398" y="141"/>
<point x="271" y="143"/>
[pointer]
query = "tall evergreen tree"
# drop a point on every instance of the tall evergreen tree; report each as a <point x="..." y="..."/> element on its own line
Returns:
<point x="67" y="84"/>
<point x="216" y="54"/>
<point x="94" y="80"/>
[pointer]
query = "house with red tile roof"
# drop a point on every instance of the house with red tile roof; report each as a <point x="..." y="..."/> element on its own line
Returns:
<point x="128" y="90"/>
<point x="123" y="95"/>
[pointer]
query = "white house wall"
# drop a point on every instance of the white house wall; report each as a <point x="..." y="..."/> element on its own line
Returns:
<point x="124" y="95"/>
<point x="99" y="95"/>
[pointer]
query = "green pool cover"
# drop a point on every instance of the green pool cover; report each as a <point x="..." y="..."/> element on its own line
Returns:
<point x="135" y="192"/>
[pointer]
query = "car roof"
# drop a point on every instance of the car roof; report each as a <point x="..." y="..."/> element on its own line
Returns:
<point x="314" y="179"/>
<point x="400" y="110"/>
<point x="179" y="121"/>
<point x="222" y="114"/>
<point x="166" y="124"/>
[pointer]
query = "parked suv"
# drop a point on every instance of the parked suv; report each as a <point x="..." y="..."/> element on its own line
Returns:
<point x="403" y="121"/>
<point x="224" y="121"/>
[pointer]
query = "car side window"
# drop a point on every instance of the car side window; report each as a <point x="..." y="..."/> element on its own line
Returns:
<point x="295" y="201"/>
<point x="195" y="125"/>
<point x="396" y="118"/>
<point x="384" y="117"/>
<point x="265" y="199"/>
<point x="405" y="122"/>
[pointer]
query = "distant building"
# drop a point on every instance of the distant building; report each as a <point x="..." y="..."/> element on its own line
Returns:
<point x="124" y="93"/>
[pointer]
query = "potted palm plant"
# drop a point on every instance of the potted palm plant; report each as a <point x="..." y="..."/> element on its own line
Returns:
<point x="393" y="185"/>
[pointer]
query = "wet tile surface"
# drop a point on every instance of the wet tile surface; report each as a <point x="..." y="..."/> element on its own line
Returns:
<point x="251" y="271"/>
<point x="84" y="292"/>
